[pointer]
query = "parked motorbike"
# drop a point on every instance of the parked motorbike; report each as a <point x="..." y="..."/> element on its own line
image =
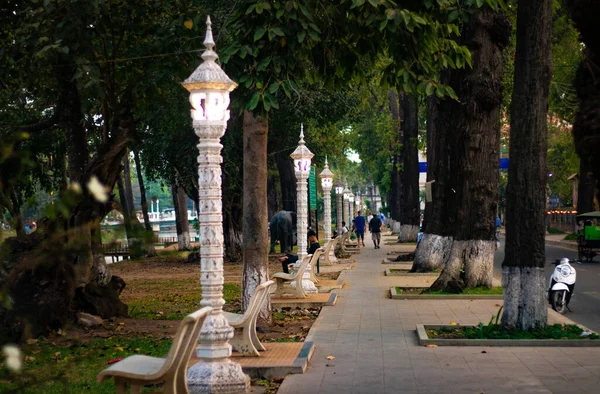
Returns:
<point x="562" y="285"/>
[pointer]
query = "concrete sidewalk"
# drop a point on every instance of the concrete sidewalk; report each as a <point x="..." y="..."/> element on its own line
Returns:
<point x="375" y="347"/>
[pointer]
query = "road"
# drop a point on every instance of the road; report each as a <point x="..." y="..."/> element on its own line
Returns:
<point x="585" y="304"/>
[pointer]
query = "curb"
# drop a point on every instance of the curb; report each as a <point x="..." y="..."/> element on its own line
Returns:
<point x="388" y="272"/>
<point x="395" y="296"/>
<point x="425" y="340"/>
<point x="562" y="244"/>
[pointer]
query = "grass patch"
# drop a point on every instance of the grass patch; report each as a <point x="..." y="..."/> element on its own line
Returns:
<point x="60" y="366"/>
<point x="7" y="234"/>
<point x="494" y="331"/>
<point x="571" y="237"/>
<point x="171" y="299"/>
<point x="553" y="230"/>
<point x="497" y="290"/>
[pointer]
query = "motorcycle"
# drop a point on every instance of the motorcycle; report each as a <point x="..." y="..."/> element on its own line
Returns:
<point x="562" y="285"/>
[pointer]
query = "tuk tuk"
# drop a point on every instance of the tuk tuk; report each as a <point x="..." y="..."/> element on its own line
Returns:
<point x="588" y="236"/>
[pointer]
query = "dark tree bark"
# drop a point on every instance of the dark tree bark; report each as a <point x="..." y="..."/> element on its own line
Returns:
<point x="523" y="279"/>
<point x="181" y="216"/>
<point x="396" y="182"/>
<point x="140" y="177"/>
<point x="587" y="188"/>
<point x="128" y="185"/>
<point x="435" y="246"/>
<point x="410" y="212"/>
<point x="287" y="180"/>
<point x="473" y="128"/>
<point x="255" y="223"/>
<point x="272" y="198"/>
<point x="586" y="129"/>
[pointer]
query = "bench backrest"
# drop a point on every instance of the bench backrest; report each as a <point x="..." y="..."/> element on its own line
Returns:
<point x="345" y="237"/>
<point x="315" y="256"/>
<point x="331" y="244"/>
<point x="184" y="342"/>
<point x="258" y="298"/>
<point x="305" y="261"/>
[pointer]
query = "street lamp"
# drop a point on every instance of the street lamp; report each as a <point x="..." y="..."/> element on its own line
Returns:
<point x="327" y="183"/>
<point x="209" y="89"/>
<point x="351" y="206"/>
<point x="339" y="192"/>
<point x="346" y="208"/>
<point x="301" y="157"/>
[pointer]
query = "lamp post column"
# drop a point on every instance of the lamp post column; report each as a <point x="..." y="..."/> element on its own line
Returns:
<point x="209" y="89"/>
<point x="302" y="156"/>
<point x="339" y="190"/>
<point x="327" y="183"/>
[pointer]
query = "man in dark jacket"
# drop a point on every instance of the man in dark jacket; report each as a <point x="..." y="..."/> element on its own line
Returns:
<point x="375" y="229"/>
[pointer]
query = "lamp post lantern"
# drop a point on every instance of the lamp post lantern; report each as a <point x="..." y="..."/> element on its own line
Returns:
<point x="327" y="183"/>
<point x="339" y="192"/>
<point x="209" y="89"/>
<point x="301" y="157"/>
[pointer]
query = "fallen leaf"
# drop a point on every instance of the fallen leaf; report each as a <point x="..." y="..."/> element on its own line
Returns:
<point x="29" y="358"/>
<point x="188" y="24"/>
<point x="453" y="323"/>
<point x="483" y="351"/>
<point x="431" y="345"/>
<point x="118" y="348"/>
<point x="32" y="341"/>
<point x="497" y="305"/>
<point x="330" y="358"/>
<point x="137" y="350"/>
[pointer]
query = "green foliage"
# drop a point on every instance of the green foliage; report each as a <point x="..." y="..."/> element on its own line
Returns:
<point x="571" y="237"/>
<point x="553" y="230"/>
<point x="562" y="161"/>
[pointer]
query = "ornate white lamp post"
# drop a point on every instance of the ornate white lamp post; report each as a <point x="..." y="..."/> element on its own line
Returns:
<point x="209" y="89"/>
<point x="302" y="156"/>
<point x="346" y="209"/>
<point x="351" y="206"/>
<point x="339" y="192"/>
<point x="327" y="183"/>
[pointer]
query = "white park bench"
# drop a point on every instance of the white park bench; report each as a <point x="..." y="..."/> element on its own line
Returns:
<point x="247" y="342"/>
<point x="139" y="370"/>
<point x="281" y="278"/>
<point x="329" y="248"/>
<point x="313" y="264"/>
<point x="348" y="247"/>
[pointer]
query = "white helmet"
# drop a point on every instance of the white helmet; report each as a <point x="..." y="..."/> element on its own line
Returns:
<point x="564" y="260"/>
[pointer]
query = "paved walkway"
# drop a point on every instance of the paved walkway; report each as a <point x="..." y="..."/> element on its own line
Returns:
<point x="375" y="347"/>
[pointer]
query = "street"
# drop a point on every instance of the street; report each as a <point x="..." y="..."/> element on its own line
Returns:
<point x="585" y="304"/>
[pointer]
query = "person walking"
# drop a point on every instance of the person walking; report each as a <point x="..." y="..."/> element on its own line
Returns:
<point x="375" y="229"/>
<point x="359" y="223"/>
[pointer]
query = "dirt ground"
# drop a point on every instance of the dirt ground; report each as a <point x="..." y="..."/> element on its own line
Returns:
<point x="167" y="287"/>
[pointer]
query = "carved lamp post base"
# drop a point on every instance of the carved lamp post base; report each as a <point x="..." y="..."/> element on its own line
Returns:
<point x="222" y="377"/>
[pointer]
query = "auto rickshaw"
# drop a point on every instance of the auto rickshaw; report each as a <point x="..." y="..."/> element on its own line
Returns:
<point x="588" y="236"/>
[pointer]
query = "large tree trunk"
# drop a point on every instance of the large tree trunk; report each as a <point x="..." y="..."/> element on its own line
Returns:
<point x="396" y="181"/>
<point x="587" y="188"/>
<point x="435" y="246"/>
<point x="287" y="180"/>
<point x="181" y="215"/>
<point x="128" y="185"/>
<point x="410" y="212"/>
<point x="474" y="140"/>
<point x="255" y="223"/>
<point x="586" y="129"/>
<point x="525" y="306"/>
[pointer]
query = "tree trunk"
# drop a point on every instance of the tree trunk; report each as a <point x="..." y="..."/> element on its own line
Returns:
<point x="410" y="212"/>
<point x="474" y="140"/>
<point x="525" y="306"/>
<point x="181" y="216"/>
<point x="396" y="181"/>
<point x="149" y="238"/>
<point x="128" y="185"/>
<point x="255" y="223"/>
<point x="586" y="129"/>
<point x="587" y="188"/>
<point x="287" y="180"/>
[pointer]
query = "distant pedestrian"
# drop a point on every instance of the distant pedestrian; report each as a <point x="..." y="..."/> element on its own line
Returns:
<point x="381" y="217"/>
<point x="375" y="229"/>
<point x="359" y="223"/>
<point x="369" y="217"/>
<point x="344" y="228"/>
